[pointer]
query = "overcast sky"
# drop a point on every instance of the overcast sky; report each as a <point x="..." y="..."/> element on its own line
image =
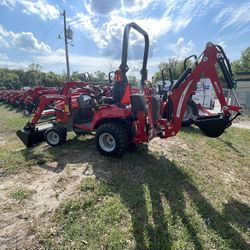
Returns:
<point x="29" y="31"/>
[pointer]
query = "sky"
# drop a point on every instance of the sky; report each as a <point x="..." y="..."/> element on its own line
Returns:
<point x="32" y="31"/>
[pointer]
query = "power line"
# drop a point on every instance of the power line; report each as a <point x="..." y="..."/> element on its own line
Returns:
<point x="57" y="62"/>
<point x="50" y="29"/>
<point x="44" y="60"/>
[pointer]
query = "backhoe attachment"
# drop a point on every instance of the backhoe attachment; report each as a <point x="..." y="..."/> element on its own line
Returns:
<point x="205" y="66"/>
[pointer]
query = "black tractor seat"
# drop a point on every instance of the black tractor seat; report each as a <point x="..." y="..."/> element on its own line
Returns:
<point x="117" y="94"/>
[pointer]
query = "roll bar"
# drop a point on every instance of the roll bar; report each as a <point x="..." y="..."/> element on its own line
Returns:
<point x="170" y="76"/>
<point x="110" y="76"/>
<point x="124" y="67"/>
<point x="185" y="61"/>
<point x="87" y="77"/>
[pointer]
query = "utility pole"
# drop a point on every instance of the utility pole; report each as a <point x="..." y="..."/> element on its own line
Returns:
<point x="67" y="33"/>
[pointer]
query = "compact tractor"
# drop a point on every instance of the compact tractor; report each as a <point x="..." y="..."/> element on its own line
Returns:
<point x="126" y="117"/>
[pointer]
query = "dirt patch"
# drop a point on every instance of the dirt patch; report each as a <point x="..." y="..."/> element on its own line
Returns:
<point x="168" y="147"/>
<point x="49" y="189"/>
<point x="2" y="141"/>
<point x="242" y="124"/>
<point x="50" y="184"/>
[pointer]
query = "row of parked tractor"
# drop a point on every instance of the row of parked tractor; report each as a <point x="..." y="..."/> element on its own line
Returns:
<point x="27" y="98"/>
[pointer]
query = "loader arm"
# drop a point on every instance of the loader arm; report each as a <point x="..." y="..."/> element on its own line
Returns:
<point x="173" y="109"/>
<point x="31" y="134"/>
<point x="44" y="101"/>
<point x="69" y="85"/>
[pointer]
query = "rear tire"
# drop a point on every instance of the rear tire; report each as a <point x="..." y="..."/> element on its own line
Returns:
<point x="56" y="136"/>
<point x="111" y="139"/>
<point x="190" y="112"/>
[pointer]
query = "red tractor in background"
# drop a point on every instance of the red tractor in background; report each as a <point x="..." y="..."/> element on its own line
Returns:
<point x="31" y="100"/>
<point x="124" y="117"/>
<point x="10" y="95"/>
<point x="14" y="99"/>
<point x="7" y="94"/>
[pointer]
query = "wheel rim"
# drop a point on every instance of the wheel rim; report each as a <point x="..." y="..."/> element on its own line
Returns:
<point x="53" y="138"/>
<point x="188" y="114"/>
<point x="107" y="142"/>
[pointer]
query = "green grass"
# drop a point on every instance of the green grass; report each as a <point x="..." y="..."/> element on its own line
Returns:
<point x="20" y="194"/>
<point x="14" y="157"/>
<point x="198" y="200"/>
<point x="244" y="117"/>
<point x="194" y="194"/>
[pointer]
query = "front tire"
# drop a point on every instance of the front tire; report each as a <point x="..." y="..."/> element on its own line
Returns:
<point x="111" y="139"/>
<point x="56" y="136"/>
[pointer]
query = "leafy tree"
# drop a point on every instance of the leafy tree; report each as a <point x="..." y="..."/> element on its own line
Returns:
<point x="243" y="64"/>
<point x="9" y="79"/>
<point x="99" y="76"/>
<point x="75" y="76"/>
<point x="132" y="80"/>
<point x="176" y="66"/>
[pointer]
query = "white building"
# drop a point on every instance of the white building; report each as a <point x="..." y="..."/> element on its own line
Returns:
<point x="243" y="90"/>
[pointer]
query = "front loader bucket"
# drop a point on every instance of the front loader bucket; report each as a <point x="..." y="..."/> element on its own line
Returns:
<point x="213" y="126"/>
<point x="31" y="138"/>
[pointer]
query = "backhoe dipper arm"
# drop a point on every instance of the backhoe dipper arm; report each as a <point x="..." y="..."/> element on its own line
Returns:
<point x="183" y="88"/>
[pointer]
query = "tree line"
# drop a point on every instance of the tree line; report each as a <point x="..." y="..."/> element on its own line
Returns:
<point x="34" y="76"/>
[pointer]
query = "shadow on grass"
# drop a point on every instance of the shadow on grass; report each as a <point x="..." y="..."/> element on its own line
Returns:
<point x="238" y="213"/>
<point x="231" y="146"/>
<point x="139" y="169"/>
<point x="9" y="107"/>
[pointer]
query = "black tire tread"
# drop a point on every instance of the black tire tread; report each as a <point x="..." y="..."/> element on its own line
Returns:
<point x="120" y="135"/>
<point x="193" y="106"/>
<point x="61" y="131"/>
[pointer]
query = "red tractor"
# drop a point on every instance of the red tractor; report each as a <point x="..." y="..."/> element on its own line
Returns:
<point x="136" y="118"/>
<point x="31" y="100"/>
<point x="14" y="99"/>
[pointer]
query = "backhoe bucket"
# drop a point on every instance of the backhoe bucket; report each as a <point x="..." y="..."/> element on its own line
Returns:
<point x="213" y="126"/>
<point x="31" y="138"/>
